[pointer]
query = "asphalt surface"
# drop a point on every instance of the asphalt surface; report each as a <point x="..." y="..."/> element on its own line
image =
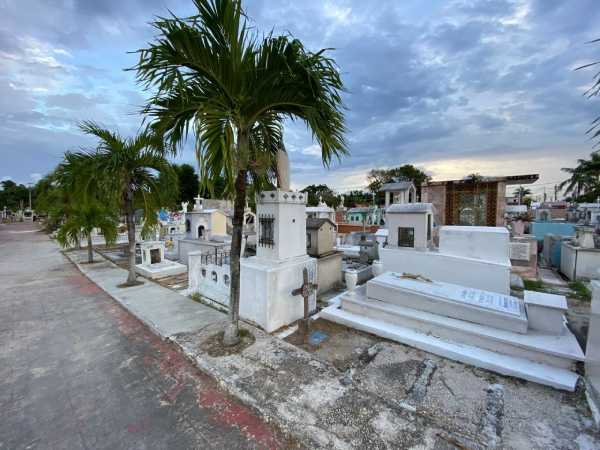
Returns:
<point x="78" y="371"/>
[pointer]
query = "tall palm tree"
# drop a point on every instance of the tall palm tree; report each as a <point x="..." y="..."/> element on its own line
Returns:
<point x="234" y="88"/>
<point x="584" y="179"/>
<point x="135" y="173"/>
<point x="82" y="220"/>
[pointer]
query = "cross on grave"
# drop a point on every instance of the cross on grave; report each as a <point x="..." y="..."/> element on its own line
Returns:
<point x="306" y="290"/>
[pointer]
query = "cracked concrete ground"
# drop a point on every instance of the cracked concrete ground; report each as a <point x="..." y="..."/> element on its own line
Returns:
<point x="388" y="396"/>
<point x="78" y="371"/>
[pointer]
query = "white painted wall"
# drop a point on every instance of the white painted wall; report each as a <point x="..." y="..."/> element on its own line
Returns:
<point x="485" y="243"/>
<point x="204" y="284"/>
<point x="289" y="210"/>
<point x="266" y="291"/>
<point x="418" y="221"/>
<point x="487" y="275"/>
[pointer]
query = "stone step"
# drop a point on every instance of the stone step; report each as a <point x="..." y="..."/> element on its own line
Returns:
<point x="556" y="350"/>
<point x="450" y="300"/>
<point x="523" y="368"/>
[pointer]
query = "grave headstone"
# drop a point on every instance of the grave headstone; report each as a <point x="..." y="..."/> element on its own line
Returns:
<point x="520" y="251"/>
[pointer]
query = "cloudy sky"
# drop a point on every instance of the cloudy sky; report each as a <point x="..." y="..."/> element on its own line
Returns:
<point x="454" y="87"/>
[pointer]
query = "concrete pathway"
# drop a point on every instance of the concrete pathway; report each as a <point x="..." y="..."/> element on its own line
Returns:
<point x="77" y="371"/>
<point x="165" y="311"/>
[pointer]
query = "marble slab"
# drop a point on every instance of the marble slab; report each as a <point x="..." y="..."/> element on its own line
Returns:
<point x="450" y="300"/>
<point x="519" y="251"/>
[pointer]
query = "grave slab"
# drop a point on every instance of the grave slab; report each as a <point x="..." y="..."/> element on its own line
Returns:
<point x="450" y="300"/>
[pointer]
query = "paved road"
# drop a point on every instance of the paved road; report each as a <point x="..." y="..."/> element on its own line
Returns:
<point x="77" y="371"/>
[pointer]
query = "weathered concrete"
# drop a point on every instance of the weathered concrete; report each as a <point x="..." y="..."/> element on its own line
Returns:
<point x="78" y="371"/>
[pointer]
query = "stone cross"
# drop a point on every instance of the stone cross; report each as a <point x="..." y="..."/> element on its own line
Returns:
<point x="306" y="290"/>
<point x="198" y="204"/>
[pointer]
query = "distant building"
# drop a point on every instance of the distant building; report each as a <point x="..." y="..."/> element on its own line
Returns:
<point x="471" y="201"/>
<point x="364" y="215"/>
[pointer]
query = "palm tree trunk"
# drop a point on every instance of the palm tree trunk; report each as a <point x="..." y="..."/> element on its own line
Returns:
<point x="90" y="249"/>
<point x="232" y="336"/>
<point x="129" y="214"/>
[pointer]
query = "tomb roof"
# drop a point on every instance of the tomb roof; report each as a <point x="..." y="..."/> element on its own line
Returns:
<point x="509" y="180"/>
<point x="315" y="224"/>
<point x="409" y="208"/>
<point x="396" y="186"/>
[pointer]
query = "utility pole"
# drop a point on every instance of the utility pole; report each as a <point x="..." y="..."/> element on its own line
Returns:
<point x="555" y="192"/>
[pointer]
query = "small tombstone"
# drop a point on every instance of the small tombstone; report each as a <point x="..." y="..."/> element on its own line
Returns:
<point x="154" y="256"/>
<point x="306" y="290"/>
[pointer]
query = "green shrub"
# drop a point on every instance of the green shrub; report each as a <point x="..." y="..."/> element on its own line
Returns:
<point x="580" y="290"/>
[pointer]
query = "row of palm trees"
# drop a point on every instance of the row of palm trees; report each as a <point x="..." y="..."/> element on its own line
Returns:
<point x="214" y="76"/>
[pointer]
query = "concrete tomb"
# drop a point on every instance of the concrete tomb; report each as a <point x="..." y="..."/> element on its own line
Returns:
<point x="580" y="257"/>
<point x="521" y="338"/>
<point x="268" y="279"/>
<point x="320" y="239"/>
<point x="450" y="300"/>
<point x="321" y="211"/>
<point x="471" y="256"/>
<point x="205" y="228"/>
<point x="153" y="262"/>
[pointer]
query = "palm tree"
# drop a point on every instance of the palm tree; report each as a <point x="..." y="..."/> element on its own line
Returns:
<point x="584" y="179"/>
<point x="82" y="220"/>
<point x="521" y="193"/>
<point x="593" y="91"/>
<point x="135" y="173"/>
<point x="235" y="88"/>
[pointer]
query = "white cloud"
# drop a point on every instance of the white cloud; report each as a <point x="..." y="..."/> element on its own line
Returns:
<point x="312" y="150"/>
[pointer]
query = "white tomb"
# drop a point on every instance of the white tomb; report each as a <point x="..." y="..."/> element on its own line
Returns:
<point x="410" y="225"/>
<point x="154" y="265"/>
<point x="476" y="257"/>
<point x="526" y="339"/>
<point x="450" y="300"/>
<point x="268" y="279"/>
<point x="481" y="243"/>
<point x="321" y="211"/>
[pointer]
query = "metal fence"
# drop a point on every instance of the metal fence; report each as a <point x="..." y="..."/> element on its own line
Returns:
<point x="218" y="258"/>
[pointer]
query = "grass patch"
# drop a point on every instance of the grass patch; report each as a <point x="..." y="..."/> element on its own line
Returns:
<point x="196" y="297"/>
<point x="534" y="285"/>
<point x="580" y="290"/>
